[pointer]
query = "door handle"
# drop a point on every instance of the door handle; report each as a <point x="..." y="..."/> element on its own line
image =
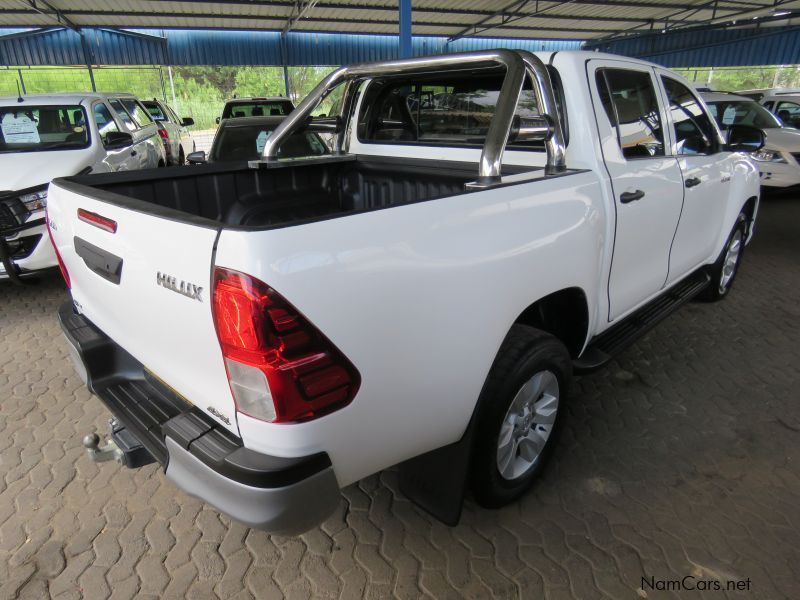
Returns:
<point x="626" y="197"/>
<point x="133" y="152"/>
<point x="693" y="181"/>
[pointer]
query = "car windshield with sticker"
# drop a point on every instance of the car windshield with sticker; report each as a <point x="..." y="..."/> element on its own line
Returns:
<point x="26" y="128"/>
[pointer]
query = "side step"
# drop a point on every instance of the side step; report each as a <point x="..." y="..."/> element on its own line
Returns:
<point x="602" y="348"/>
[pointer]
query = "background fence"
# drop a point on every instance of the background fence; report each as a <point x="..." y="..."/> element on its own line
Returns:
<point x="200" y="91"/>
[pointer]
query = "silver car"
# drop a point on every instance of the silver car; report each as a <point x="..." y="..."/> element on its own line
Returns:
<point x="177" y="139"/>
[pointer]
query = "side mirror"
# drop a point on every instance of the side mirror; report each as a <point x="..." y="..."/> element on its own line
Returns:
<point x="196" y="158"/>
<point x="116" y="140"/>
<point x="187" y="122"/>
<point x="217" y="120"/>
<point x="744" y="138"/>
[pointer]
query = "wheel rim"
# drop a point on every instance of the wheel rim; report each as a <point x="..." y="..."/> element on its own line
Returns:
<point x="527" y="425"/>
<point x="731" y="261"/>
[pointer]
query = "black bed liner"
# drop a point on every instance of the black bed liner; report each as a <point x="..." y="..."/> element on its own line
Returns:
<point x="236" y="196"/>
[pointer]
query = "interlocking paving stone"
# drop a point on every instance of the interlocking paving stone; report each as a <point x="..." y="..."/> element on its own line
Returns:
<point x="680" y="458"/>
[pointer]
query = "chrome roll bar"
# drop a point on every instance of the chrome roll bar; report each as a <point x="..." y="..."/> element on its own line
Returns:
<point x="516" y="64"/>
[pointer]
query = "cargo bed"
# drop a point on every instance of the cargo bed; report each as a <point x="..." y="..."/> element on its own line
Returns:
<point x="287" y="193"/>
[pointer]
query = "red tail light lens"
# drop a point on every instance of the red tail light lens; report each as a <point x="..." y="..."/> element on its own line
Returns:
<point x="163" y="133"/>
<point x="281" y="368"/>
<point x="62" y="267"/>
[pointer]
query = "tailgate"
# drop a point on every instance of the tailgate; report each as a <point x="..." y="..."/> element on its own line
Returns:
<point x="148" y="287"/>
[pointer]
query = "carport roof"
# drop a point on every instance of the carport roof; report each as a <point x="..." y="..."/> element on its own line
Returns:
<point x="560" y="19"/>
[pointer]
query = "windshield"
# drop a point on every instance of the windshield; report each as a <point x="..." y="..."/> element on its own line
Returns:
<point x="257" y="108"/>
<point x="247" y="143"/>
<point x="25" y="128"/>
<point x="742" y="112"/>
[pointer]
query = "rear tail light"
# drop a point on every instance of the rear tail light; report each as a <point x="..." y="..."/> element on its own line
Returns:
<point x="280" y="367"/>
<point x="163" y="133"/>
<point x="62" y="267"/>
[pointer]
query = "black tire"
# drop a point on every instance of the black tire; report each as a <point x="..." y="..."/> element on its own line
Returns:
<point x="524" y="353"/>
<point x="719" y="287"/>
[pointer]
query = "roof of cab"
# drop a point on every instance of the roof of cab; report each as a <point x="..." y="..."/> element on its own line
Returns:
<point x="62" y="98"/>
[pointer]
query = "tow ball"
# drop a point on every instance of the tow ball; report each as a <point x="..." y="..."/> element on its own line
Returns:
<point x="122" y="447"/>
<point x="101" y="454"/>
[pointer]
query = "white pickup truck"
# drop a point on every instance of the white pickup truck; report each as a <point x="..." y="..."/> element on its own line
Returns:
<point x="488" y="223"/>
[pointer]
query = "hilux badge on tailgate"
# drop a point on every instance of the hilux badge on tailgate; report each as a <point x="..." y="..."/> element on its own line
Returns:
<point x="184" y="288"/>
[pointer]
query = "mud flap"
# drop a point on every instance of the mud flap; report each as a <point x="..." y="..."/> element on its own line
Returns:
<point x="437" y="480"/>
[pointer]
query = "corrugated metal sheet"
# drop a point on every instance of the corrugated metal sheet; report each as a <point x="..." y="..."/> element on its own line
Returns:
<point x="208" y="47"/>
<point x="715" y="48"/>
<point x="553" y="18"/>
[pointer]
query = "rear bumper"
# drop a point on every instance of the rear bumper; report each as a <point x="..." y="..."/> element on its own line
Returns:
<point x="276" y="494"/>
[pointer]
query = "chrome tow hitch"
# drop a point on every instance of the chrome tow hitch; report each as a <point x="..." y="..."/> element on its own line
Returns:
<point x="102" y="454"/>
<point x="122" y="446"/>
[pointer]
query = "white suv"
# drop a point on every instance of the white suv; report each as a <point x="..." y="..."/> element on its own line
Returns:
<point x="779" y="160"/>
<point x="782" y="102"/>
<point x="57" y="135"/>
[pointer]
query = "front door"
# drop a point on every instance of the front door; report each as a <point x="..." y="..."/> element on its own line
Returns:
<point x="645" y="178"/>
<point x="706" y="179"/>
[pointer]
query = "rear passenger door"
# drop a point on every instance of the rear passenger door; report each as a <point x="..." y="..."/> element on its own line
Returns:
<point x="706" y="174"/>
<point x="645" y="179"/>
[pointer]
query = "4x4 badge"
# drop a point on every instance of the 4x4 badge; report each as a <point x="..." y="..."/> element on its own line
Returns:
<point x="185" y="288"/>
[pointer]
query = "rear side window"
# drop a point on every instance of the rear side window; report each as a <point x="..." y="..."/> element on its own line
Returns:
<point x="137" y="112"/>
<point x="123" y="114"/>
<point x="629" y="100"/>
<point x="789" y="113"/>
<point x="694" y="133"/>
<point x="447" y="111"/>
<point x="105" y="122"/>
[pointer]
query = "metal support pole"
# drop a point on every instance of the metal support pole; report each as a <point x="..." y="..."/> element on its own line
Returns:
<point x="405" y="28"/>
<point x="22" y="81"/>
<point x="285" y="61"/>
<point x="87" y="57"/>
<point x="172" y="87"/>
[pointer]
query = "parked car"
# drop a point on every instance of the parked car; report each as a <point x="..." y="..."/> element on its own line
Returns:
<point x="273" y="106"/>
<point x="779" y="160"/>
<point x="178" y="142"/>
<point x="244" y="139"/>
<point x="782" y="102"/>
<point x="421" y="296"/>
<point x="56" y="135"/>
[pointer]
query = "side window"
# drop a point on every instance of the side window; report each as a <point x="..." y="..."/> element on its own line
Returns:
<point x="123" y="114"/>
<point x="137" y="112"/>
<point x="694" y="133"/>
<point x="789" y="113"/>
<point x="105" y="122"/>
<point x="629" y="99"/>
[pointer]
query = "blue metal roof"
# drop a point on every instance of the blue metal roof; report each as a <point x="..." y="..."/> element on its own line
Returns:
<point x="713" y="47"/>
<point x="208" y="47"/>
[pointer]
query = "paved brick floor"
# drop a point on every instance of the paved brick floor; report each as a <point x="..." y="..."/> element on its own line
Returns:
<point x="680" y="459"/>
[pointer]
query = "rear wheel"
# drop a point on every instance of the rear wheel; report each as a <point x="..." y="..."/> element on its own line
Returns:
<point x="520" y="414"/>
<point x="723" y="272"/>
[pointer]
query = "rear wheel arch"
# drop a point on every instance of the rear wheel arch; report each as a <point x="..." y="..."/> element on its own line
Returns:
<point x="563" y="314"/>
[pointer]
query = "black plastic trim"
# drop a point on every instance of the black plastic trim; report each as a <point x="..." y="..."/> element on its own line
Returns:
<point x="152" y="412"/>
<point x="106" y="265"/>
